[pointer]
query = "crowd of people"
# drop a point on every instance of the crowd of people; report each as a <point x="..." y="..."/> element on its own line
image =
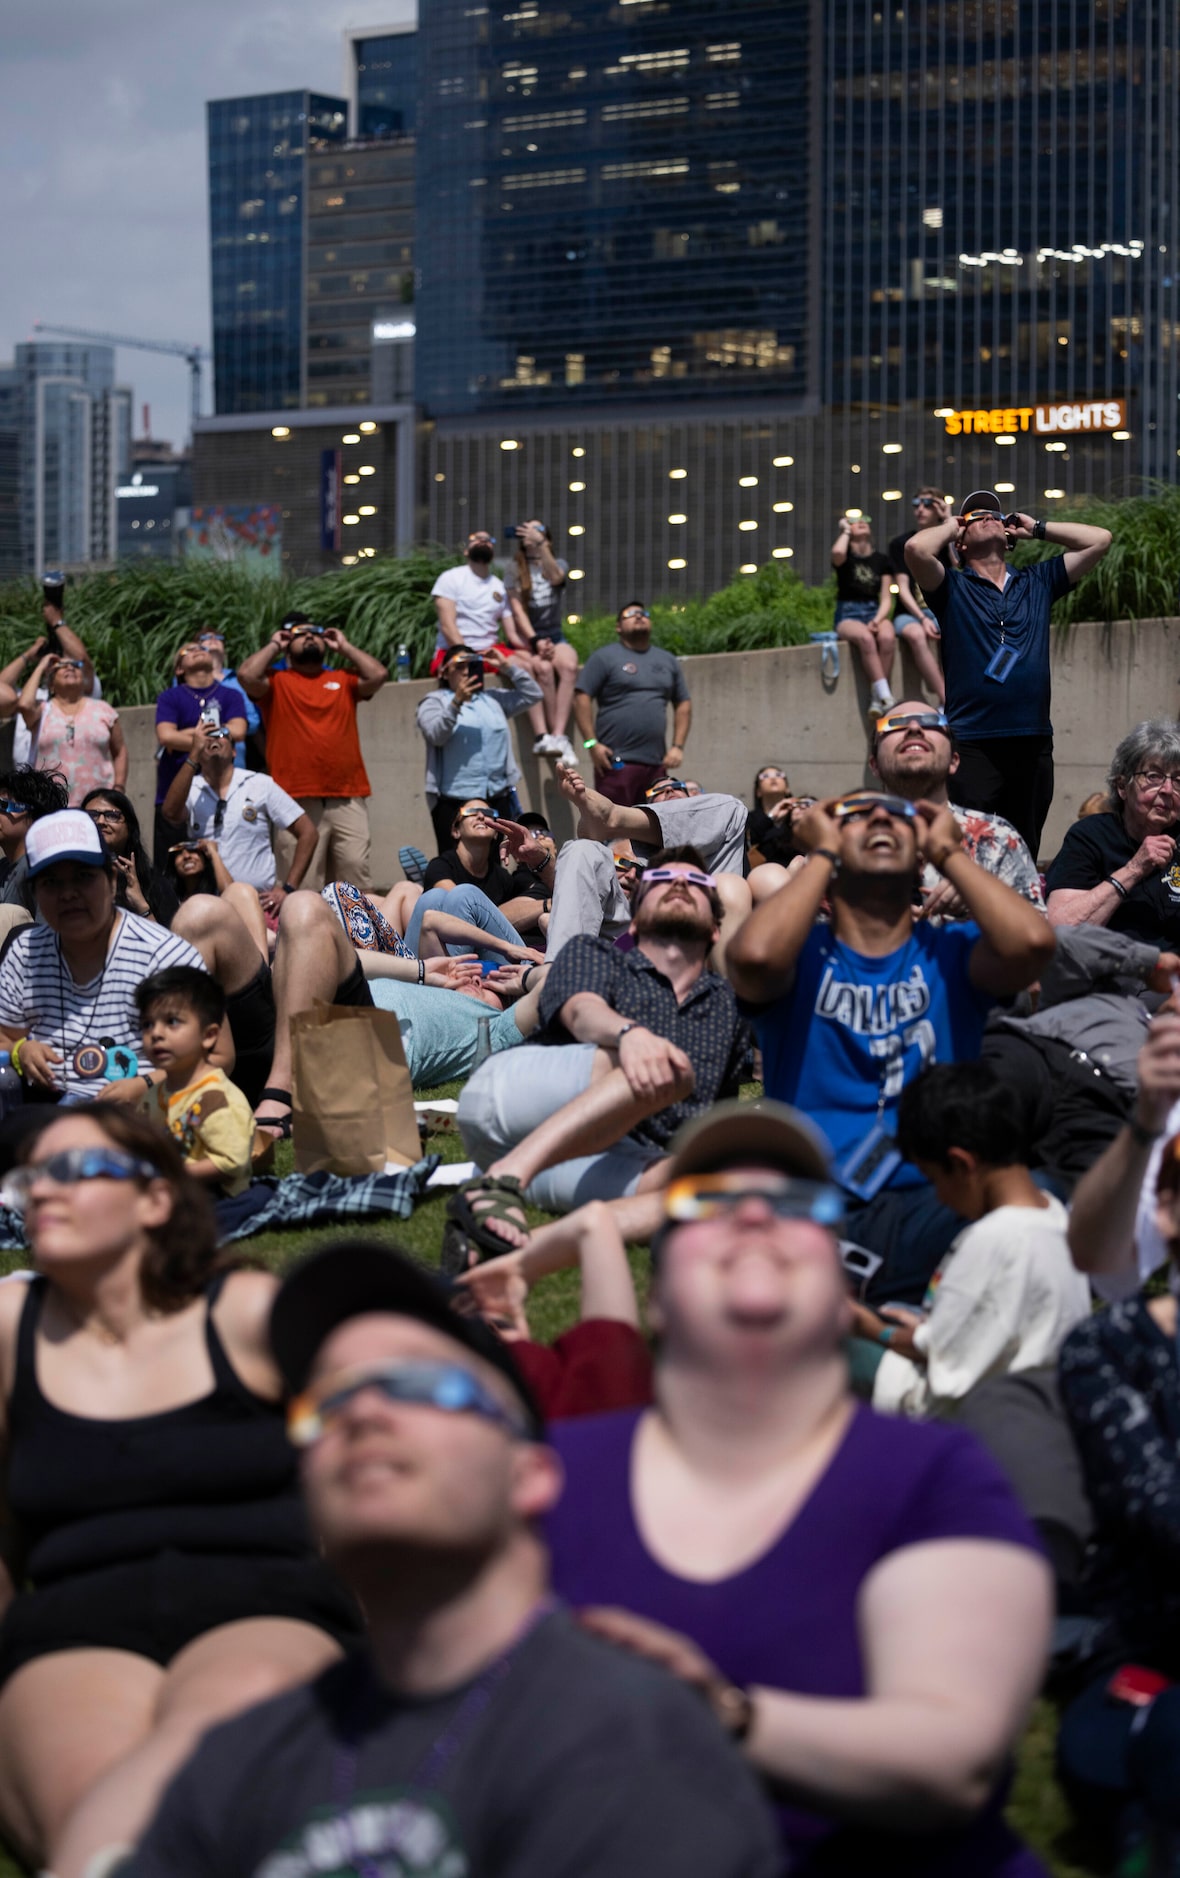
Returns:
<point x="759" y="1566"/>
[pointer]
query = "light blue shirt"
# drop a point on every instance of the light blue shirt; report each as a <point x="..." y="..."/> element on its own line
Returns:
<point x="475" y="760"/>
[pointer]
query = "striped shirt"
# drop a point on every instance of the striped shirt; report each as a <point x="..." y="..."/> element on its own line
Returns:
<point x="39" y="998"/>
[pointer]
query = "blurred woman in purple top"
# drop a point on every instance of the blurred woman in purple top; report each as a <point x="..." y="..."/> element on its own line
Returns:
<point x="861" y="1600"/>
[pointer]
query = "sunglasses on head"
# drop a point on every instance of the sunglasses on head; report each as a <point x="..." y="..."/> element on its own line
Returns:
<point x="854" y="806"/>
<point x="706" y="1196"/>
<point x="690" y="876"/>
<point x="444" y="1386"/>
<point x="925" y="720"/>
<point x="72" y="1165"/>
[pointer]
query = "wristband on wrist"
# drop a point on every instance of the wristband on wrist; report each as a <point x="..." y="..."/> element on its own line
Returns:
<point x="191" y="764"/>
<point x="286" y="887"/>
<point x="14" y="1054"/>
<point x="886" y="1334"/>
<point x="1142" y="1136"/>
<point x="421" y="971"/>
<point x="829" y="854"/>
<point x="589" y="743"/>
<point x="1039" y="531"/>
<point x="734" y="1708"/>
<point x="626" y="1027"/>
<point x="1118" y="886"/>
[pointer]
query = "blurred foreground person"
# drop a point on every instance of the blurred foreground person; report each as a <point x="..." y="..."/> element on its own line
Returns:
<point x="483" y="1732"/>
<point x="859" y="1599"/>
<point x="164" y="1573"/>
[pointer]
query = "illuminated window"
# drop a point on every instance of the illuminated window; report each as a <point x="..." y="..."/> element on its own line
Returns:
<point x="932" y="218"/>
<point x="653" y="166"/>
<point x="783" y="462"/>
<point x="644" y="107"/>
<point x="783" y="508"/>
<point x="575" y="368"/>
<point x="661" y="361"/>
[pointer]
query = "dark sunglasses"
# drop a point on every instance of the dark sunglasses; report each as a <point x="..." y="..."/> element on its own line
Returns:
<point x="669" y="785"/>
<point x="75" y="1164"/>
<point x="925" y="720"/>
<point x="629" y="864"/>
<point x="444" y="1386"/>
<point x="15" y="808"/>
<point x="470" y="815"/>
<point x="706" y="1196"/>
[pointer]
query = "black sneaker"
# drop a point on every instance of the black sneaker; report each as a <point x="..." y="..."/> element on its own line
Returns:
<point x="413" y="864"/>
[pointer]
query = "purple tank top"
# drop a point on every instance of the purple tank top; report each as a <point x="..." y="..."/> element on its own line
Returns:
<point x="788" y="1621"/>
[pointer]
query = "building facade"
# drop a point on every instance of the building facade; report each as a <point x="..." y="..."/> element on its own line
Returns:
<point x="359" y="266"/>
<point x="67" y="426"/>
<point x="381" y="76"/>
<point x="257" y="153"/>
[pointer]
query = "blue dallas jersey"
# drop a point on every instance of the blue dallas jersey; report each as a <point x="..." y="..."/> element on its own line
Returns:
<point x="853" y="1029"/>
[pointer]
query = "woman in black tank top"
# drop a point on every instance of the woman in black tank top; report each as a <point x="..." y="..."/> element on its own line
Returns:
<point x="161" y="1574"/>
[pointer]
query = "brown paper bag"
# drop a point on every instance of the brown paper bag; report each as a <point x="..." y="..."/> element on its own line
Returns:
<point x="352" y="1102"/>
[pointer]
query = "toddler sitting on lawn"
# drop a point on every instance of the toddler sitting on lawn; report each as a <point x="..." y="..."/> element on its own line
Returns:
<point x="181" y="1011"/>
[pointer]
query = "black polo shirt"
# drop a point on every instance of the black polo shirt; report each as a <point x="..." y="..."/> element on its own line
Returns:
<point x="707" y="1026"/>
<point x="1099" y="845"/>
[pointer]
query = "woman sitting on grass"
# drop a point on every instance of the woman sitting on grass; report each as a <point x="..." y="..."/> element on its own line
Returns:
<point x="163" y="1575"/>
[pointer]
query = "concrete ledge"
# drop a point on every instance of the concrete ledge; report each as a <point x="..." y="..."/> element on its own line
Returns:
<point x="751" y="708"/>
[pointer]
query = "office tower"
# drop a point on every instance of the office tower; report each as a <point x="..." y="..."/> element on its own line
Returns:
<point x="73" y="429"/>
<point x="10" y="535"/>
<point x="381" y="65"/>
<point x="694" y="281"/>
<point x="360" y="270"/>
<point x="257" y="152"/>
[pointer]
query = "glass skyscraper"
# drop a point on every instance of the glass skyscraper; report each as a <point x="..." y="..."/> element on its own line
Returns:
<point x="613" y="203"/>
<point x="385" y="83"/>
<point x="257" y="152"/>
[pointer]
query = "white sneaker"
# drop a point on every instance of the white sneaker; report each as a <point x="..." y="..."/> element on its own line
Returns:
<point x="879" y="707"/>
<point x="567" y="755"/>
<point x="546" y="746"/>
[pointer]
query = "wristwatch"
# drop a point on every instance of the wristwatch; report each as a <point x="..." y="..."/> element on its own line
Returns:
<point x="626" y="1027"/>
<point x="1038" y="531"/>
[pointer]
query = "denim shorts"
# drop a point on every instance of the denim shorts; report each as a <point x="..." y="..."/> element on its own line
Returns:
<point x="865" y="610"/>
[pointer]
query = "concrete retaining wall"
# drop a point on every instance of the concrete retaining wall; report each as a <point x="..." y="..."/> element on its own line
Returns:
<point x="752" y="708"/>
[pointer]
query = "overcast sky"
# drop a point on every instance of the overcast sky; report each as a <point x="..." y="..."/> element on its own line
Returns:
<point x="102" y="143"/>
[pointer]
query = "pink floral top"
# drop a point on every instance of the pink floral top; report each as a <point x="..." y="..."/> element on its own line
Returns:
<point x="79" y="746"/>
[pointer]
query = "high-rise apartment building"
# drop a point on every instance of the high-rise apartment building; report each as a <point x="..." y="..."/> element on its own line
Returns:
<point x="257" y="149"/>
<point x="359" y="267"/>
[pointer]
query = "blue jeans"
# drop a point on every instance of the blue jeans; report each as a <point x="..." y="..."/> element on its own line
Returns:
<point x="464" y="903"/>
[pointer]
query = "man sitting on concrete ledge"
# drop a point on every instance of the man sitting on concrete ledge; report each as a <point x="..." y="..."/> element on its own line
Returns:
<point x="631" y="1044"/>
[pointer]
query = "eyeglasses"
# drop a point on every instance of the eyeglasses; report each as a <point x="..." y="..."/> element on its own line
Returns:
<point x="72" y="1165"/>
<point x="923" y="720"/>
<point x="14" y="808"/>
<point x="669" y="785"/>
<point x="96" y="815"/>
<point x="708" y="1196"/>
<point x="443" y="1386"/>
<point x="923" y="502"/>
<point x="1151" y="781"/>
<point x="853" y="807"/>
<point x="471" y="815"/>
<point x="689" y="876"/>
<point x="772" y="771"/>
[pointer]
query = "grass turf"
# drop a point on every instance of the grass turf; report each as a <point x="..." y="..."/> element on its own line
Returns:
<point x="1037" y="1811"/>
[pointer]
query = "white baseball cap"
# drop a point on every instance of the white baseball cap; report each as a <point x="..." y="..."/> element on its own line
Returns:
<point x="69" y="835"/>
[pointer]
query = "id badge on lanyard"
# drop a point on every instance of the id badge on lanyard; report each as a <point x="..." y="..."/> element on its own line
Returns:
<point x="1000" y="666"/>
<point x="873" y="1160"/>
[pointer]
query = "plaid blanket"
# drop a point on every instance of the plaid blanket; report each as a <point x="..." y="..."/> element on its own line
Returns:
<point x="298" y="1200"/>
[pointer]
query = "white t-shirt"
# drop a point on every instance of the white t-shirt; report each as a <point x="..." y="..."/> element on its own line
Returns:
<point x="254" y="807"/>
<point x="481" y="606"/>
<point x="1004" y="1298"/>
<point x="38" y="996"/>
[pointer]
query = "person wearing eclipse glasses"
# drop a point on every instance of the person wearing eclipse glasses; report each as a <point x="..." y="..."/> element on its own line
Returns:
<point x="445" y="1745"/>
<point x="994" y="621"/>
<point x="847" y="1013"/>
<point x="630" y="1044"/>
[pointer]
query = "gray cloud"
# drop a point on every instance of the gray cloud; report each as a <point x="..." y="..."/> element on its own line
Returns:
<point x="102" y="155"/>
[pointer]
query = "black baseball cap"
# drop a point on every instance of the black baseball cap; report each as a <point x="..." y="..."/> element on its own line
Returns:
<point x="353" y="1277"/>
<point x="981" y="499"/>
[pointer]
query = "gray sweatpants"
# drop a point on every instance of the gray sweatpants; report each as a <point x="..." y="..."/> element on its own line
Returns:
<point x="587" y="896"/>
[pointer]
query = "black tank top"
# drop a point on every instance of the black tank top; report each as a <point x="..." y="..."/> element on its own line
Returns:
<point x="214" y="1476"/>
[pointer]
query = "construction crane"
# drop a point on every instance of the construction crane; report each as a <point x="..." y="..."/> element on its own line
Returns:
<point x="193" y="355"/>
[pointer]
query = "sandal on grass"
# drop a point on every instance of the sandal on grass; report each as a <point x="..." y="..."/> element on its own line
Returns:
<point x="281" y="1124"/>
<point x="466" y="1230"/>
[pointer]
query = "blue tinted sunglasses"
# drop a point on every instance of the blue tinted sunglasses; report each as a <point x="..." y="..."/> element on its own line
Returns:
<point x="444" y="1386"/>
<point x="14" y="808"/>
<point x="72" y="1165"/>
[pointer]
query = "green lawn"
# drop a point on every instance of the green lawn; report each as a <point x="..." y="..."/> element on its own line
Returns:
<point x="1038" y="1810"/>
